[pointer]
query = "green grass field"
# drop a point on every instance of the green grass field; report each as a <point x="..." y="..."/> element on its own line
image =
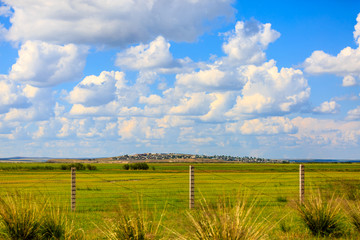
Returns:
<point x="99" y="192"/>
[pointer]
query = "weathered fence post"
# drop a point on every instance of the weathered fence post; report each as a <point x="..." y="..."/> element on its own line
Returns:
<point x="191" y="188"/>
<point x="301" y="183"/>
<point x="73" y="188"/>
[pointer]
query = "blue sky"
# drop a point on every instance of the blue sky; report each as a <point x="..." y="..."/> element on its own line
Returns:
<point x="274" y="79"/>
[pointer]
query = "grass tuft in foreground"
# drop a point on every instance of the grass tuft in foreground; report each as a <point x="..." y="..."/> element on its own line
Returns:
<point x="20" y="217"/>
<point x="225" y="221"/>
<point x="352" y="209"/>
<point x="132" y="223"/>
<point x="56" y="225"/>
<point x="321" y="217"/>
<point x="25" y="217"/>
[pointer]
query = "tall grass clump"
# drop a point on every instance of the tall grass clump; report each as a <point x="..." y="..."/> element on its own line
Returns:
<point x="353" y="212"/>
<point x="322" y="217"/>
<point x="134" y="224"/>
<point x="225" y="221"/>
<point x="20" y="217"/>
<point x="25" y="217"/>
<point x="55" y="226"/>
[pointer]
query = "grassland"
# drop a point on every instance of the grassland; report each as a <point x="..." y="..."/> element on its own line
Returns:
<point x="274" y="186"/>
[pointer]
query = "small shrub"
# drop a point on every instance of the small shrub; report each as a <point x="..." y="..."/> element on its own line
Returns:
<point x="126" y="166"/>
<point x="284" y="227"/>
<point x="136" y="166"/>
<point x="281" y="199"/>
<point x="321" y="217"/>
<point x="139" y="166"/>
<point x="78" y="166"/>
<point x="91" y="167"/>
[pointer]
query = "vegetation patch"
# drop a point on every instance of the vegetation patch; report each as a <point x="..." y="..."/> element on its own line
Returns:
<point x="136" y="223"/>
<point x="238" y="222"/>
<point x="23" y="216"/>
<point x="136" y="166"/>
<point x="78" y="166"/>
<point x="322" y="217"/>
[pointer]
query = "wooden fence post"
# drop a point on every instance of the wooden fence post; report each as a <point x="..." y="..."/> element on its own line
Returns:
<point x="191" y="188"/>
<point x="73" y="189"/>
<point x="301" y="183"/>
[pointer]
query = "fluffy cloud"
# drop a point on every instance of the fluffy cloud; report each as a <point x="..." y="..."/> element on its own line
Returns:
<point x="139" y="128"/>
<point x="209" y="80"/>
<point x="40" y="106"/>
<point x="97" y="90"/>
<point x="174" y="121"/>
<point x="349" y="81"/>
<point x="263" y="126"/>
<point x="11" y="96"/>
<point x="112" y="22"/>
<point x="269" y="91"/>
<point x="42" y="64"/>
<point x="345" y="64"/>
<point x="153" y="55"/>
<point x="327" y="132"/>
<point x="328" y="107"/>
<point x="109" y="94"/>
<point x="193" y="104"/>
<point x="247" y="43"/>
<point x="354" y="114"/>
<point x="219" y="106"/>
<point x="357" y="30"/>
<point x="3" y="32"/>
<point x="151" y="100"/>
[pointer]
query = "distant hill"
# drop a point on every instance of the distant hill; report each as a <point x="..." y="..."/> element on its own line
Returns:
<point x="25" y="159"/>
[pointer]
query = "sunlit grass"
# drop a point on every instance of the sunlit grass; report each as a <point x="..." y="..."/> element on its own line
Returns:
<point x="99" y="192"/>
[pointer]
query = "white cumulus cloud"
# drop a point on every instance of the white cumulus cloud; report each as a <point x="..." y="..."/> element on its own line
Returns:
<point x="97" y="90"/>
<point x="270" y="91"/>
<point x="41" y="64"/>
<point x="11" y="96"/>
<point x="327" y="132"/>
<point x="247" y="43"/>
<point x="354" y="114"/>
<point x="345" y="64"/>
<point x="153" y="55"/>
<point x="327" y="107"/>
<point x="263" y="126"/>
<point x="357" y="30"/>
<point x="112" y="22"/>
<point x="197" y="103"/>
<point x="209" y="79"/>
<point x="349" y="81"/>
